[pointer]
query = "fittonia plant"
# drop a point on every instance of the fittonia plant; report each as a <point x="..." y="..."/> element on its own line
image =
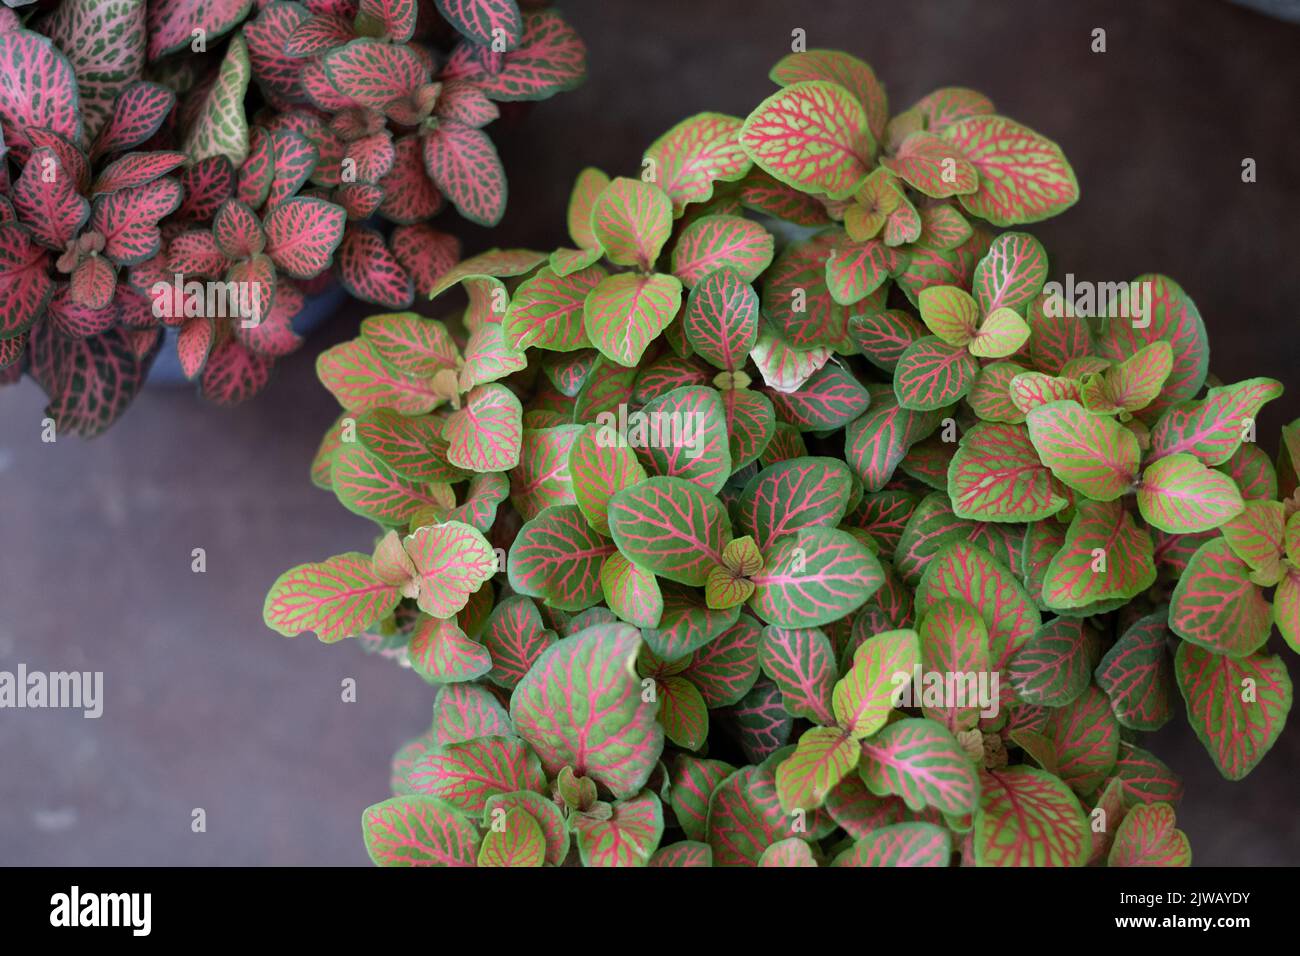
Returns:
<point x="203" y="167"/>
<point x="883" y="451"/>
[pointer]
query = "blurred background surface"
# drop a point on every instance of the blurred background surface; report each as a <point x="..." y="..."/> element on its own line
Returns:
<point x="206" y="708"/>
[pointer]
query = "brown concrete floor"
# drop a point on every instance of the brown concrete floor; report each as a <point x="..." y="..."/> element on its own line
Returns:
<point x="208" y="709"/>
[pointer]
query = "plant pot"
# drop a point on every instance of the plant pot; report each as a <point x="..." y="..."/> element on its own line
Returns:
<point x="166" y="368"/>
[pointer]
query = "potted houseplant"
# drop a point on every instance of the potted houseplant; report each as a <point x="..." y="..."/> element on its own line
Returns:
<point x="868" y="547"/>
<point x="205" y="176"/>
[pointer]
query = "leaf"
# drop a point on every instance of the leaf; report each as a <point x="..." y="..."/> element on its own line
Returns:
<point x="580" y="705"/>
<point x="876" y="442"/>
<point x="920" y="761"/>
<point x="465" y="711"/>
<point x="798" y="301"/>
<point x="1031" y="390"/>
<point x="631" y="220"/>
<point x="518" y="843"/>
<point x="628" y="837"/>
<point x="1180" y="495"/>
<point x="725" y="669"/>
<point x="485" y="434"/>
<point x="337" y="598"/>
<point x="1133" y="384"/>
<point x="802" y="665"/>
<point x="1147" y="837"/>
<point x="683" y="434"/>
<point x="25" y="285"/>
<point x="842" y="69"/>
<point x="954" y="641"/>
<point x="682" y="712"/>
<point x="671" y="527"/>
<point x="590" y="183"/>
<point x="814" y="136"/>
<point x="1212" y="429"/>
<point x="751" y="425"/>
<point x="696" y="153"/>
<point x="1106" y="556"/>
<point x="464" y="165"/>
<point x="89" y="382"/>
<point x="1258" y="537"/>
<point x="128" y="220"/>
<point x="787" y="853"/>
<point x="136" y="169"/>
<point x="600" y="465"/>
<point x="302" y="234"/>
<point x="542" y="478"/>
<point x="413" y="830"/>
<point x="967" y="573"/>
<point x="722" y="319"/>
<point x="624" y="313"/>
<point x="1028" y="817"/>
<point x="1090" y="453"/>
<point x="855" y="271"/>
<point x="932" y="374"/>
<point x="950" y="313"/>
<point x="488" y="357"/>
<point x="452" y="561"/>
<point x="1217" y="606"/>
<point x="865" y="695"/>
<point x="515" y="636"/>
<point x="38" y="94"/>
<point x="692" y="783"/>
<point x="138" y="111"/>
<point x="558" y="557"/>
<point x="220" y="127"/>
<point x="996" y="476"/>
<point x="546" y="311"/>
<point x="824" y="757"/>
<point x="233" y="374"/>
<point x="686" y="625"/>
<point x="758" y="723"/>
<point x="441" y="653"/>
<point x="466" y="774"/>
<point x="365" y="485"/>
<point x="370" y="272"/>
<point x="900" y="844"/>
<point x="360" y="380"/>
<point x="1286" y="608"/>
<point x="1173" y="317"/>
<point x="1002" y="333"/>
<point x="1137" y="675"/>
<point x="711" y="243"/>
<point x="411" y="344"/>
<point x="1023" y="176"/>
<point x="813" y="577"/>
<point x="830" y="399"/>
<point x="46" y="200"/>
<point x="631" y="593"/>
<point x="1085" y="739"/>
<point x="792" y="495"/>
<point x="1011" y="274"/>
<point x="745" y="817"/>
<point x="549" y="59"/>
<point x="1237" y="707"/>
<point x="552" y="827"/>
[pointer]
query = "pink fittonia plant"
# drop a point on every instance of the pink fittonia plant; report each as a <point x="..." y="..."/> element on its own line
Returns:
<point x="205" y="167"/>
<point x="882" y="452"/>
